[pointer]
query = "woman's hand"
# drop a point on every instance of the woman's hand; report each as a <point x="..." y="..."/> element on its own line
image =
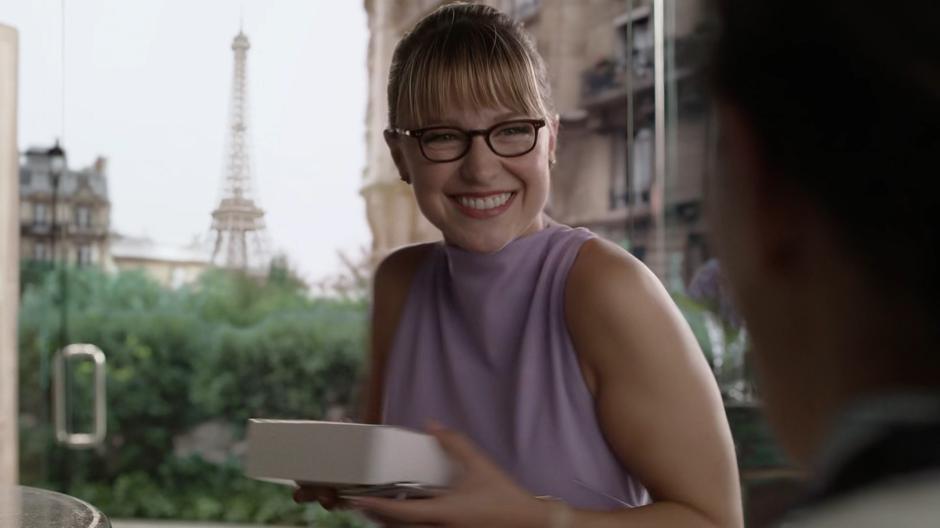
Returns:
<point x="482" y="496"/>
<point x="326" y="496"/>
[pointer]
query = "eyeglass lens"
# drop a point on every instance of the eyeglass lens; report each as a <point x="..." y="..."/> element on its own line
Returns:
<point x="508" y="139"/>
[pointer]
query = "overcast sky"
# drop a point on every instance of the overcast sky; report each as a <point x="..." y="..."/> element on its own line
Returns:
<point x="147" y="85"/>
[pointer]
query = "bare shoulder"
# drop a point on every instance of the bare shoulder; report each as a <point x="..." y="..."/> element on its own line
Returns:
<point x="401" y="265"/>
<point x="617" y="312"/>
<point x="391" y="284"/>
<point x="605" y="272"/>
<point x="405" y="258"/>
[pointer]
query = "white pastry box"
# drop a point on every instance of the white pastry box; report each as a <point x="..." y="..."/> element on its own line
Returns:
<point x="344" y="455"/>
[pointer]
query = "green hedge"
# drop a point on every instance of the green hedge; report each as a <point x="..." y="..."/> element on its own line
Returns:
<point x="225" y="349"/>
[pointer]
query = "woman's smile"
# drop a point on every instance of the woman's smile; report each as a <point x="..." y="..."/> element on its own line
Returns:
<point x="483" y="205"/>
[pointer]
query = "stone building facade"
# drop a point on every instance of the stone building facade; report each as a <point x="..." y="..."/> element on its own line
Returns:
<point x="170" y="265"/>
<point x="68" y="222"/>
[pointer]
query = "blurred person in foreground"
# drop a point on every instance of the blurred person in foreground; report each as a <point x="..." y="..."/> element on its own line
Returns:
<point x="826" y="224"/>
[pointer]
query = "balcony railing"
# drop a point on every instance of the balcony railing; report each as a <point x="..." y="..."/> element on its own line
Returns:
<point x="95" y="230"/>
<point x="605" y="80"/>
<point x="37" y="228"/>
<point x="45" y="228"/>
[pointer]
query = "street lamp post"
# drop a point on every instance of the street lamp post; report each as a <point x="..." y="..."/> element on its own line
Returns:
<point x="56" y="168"/>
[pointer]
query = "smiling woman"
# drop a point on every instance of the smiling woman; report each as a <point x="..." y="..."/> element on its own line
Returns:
<point x="556" y="363"/>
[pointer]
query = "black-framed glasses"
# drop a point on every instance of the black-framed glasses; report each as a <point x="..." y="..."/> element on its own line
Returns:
<point x="508" y="139"/>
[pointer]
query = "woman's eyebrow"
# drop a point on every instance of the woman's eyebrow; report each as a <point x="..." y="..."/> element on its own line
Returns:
<point x="509" y="116"/>
<point x="445" y="122"/>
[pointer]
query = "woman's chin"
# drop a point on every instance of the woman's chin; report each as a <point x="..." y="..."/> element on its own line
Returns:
<point x="479" y="244"/>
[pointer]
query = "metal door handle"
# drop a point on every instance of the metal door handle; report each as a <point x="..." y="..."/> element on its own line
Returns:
<point x="80" y="440"/>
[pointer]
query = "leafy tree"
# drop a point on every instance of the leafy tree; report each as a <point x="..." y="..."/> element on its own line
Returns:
<point x="227" y="348"/>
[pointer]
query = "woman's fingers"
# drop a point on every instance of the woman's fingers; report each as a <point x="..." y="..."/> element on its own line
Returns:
<point x="422" y="511"/>
<point x="327" y="497"/>
<point x="459" y="447"/>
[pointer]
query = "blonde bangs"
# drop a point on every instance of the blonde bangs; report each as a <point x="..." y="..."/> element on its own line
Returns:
<point x="469" y="70"/>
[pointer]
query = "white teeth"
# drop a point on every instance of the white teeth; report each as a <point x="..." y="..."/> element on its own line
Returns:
<point x="490" y="202"/>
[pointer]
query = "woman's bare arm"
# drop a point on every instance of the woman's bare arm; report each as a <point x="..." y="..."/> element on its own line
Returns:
<point x="657" y="401"/>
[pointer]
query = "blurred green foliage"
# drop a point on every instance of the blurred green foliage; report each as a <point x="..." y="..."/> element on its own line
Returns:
<point x="726" y="350"/>
<point x="226" y="348"/>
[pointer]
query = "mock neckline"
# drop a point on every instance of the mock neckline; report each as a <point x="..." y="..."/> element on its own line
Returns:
<point x="516" y="245"/>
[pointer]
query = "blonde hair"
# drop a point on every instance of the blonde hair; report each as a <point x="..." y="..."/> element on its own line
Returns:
<point x="469" y="54"/>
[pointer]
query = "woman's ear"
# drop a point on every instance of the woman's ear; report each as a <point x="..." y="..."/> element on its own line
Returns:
<point x="394" y="147"/>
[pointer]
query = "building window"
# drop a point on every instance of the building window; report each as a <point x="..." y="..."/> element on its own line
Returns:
<point x="83" y="216"/>
<point x="642" y="166"/>
<point x="619" y="179"/>
<point x="641" y="49"/>
<point x="623" y="29"/>
<point x="41" y="251"/>
<point x="40" y="214"/>
<point x="85" y="255"/>
<point x="524" y="10"/>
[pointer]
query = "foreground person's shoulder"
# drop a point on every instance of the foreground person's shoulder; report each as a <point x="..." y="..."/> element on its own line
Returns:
<point x="911" y="501"/>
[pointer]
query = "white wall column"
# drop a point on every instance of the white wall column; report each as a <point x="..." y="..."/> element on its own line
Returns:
<point x="9" y="256"/>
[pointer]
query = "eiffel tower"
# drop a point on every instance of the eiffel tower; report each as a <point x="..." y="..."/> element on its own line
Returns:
<point x="238" y="222"/>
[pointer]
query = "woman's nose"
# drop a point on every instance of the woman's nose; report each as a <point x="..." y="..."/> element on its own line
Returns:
<point x="480" y="164"/>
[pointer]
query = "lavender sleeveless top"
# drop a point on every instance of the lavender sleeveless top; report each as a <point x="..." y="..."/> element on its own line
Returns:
<point x="482" y="347"/>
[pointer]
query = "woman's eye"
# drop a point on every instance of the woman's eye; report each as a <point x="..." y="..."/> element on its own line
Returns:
<point x="440" y="137"/>
<point x="513" y="131"/>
